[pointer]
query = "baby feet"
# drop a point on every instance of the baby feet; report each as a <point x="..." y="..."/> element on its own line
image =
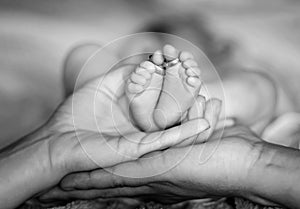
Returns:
<point x="181" y="87"/>
<point x="143" y="90"/>
<point x="161" y="91"/>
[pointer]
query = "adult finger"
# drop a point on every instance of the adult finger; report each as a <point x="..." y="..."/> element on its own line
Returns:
<point x="130" y="147"/>
<point x="53" y="194"/>
<point x="134" y="173"/>
<point x="197" y="110"/>
<point x="211" y="114"/>
<point x="105" y="195"/>
<point x="93" y="179"/>
<point x="173" y="136"/>
<point x="225" y="123"/>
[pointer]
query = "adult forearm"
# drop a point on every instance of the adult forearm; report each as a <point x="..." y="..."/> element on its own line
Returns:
<point x="25" y="169"/>
<point x="275" y="176"/>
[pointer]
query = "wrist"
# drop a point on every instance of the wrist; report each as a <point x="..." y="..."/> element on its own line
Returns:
<point x="274" y="175"/>
<point x="255" y="175"/>
<point x="47" y="145"/>
<point x="27" y="168"/>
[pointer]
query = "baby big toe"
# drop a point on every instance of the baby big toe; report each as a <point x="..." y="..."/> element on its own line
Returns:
<point x="170" y="52"/>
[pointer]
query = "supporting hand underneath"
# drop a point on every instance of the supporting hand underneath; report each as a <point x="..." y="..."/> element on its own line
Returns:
<point x="89" y="130"/>
<point x="240" y="164"/>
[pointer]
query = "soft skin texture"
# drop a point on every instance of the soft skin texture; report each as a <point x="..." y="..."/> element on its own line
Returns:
<point x="180" y="88"/>
<point x="143" y="90"/>
<point x="91" y="129"/>
<point x="158" y="101"/>
<point x="240" y="164"/>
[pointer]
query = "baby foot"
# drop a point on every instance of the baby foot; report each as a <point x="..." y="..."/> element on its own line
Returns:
<point x="180" y="88"/>
<point x="143" y="90"/>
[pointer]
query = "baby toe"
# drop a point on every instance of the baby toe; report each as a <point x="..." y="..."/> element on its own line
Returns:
<point x="184" y="55"/>
<point x="190" y="63"/>
<point x="138" y="79"/>
<point x="170" y="52"/>
<point x="193" y="71"/>
<point x="157" y="58"/>
<point x="134" y="88"/>
<point x="193" y="81"/>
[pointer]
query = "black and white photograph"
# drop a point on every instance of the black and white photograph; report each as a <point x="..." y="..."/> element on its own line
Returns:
<point x="162" y="104"/>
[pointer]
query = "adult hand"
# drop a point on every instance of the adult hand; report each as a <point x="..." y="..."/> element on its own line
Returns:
<point x="72" y="140"/>
<point x="100" y="129"/>
<point x="215" y="168"/>
<point x="240" y="165"/>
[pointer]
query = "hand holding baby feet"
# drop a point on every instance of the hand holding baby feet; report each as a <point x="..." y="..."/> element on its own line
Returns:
<point x="143" y="90"/>
<point x="180" y="89"/>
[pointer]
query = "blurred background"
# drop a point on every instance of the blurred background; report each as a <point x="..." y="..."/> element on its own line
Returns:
<point x="35" y="37"/>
